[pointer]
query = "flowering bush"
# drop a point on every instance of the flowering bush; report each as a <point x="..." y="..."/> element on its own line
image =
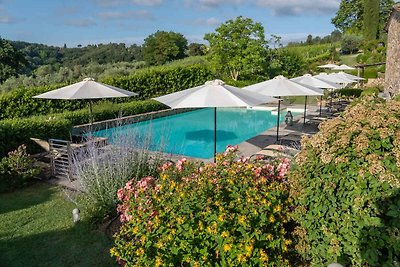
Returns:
<point x="346" y="188"/>
<point x="16" y="170"/>
<point x="228" y="214"/>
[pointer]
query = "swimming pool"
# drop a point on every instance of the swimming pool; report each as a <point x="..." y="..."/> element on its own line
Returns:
<point x="192" y="133"/>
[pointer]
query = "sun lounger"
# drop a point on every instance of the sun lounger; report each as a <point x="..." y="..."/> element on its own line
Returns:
<point x="274" y="151"/>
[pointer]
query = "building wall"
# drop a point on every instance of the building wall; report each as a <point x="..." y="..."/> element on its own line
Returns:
<point x="392" y="74"/>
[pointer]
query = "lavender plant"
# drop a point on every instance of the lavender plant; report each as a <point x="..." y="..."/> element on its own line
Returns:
<point x="101" y="171"/>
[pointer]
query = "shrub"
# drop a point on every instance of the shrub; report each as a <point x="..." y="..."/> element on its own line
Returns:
<point x="373" y="91"/>
<point x="350" y="92"/>
<point x="16" y="170"/>
<point x="107" y="171"/>
<point x="346" y="188"/>
<point x="226" y="214"/>
<point x="159" y="81"/>
<point x="15" y="132"/>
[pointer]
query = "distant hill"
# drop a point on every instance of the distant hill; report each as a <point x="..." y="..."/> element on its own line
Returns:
<point x="39" y="54"/>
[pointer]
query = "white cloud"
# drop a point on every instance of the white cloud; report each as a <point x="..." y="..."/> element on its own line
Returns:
<point x="6" y="18"/>
<point x="81" y="22"/>
<point x="131" y="14"/>
<point x="148" y="2"/>
<point x="205" y="4"/>
<point x="304" y="7"/>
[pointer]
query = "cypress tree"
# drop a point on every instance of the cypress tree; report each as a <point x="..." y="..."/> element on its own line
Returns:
<point x="371" y="19"/>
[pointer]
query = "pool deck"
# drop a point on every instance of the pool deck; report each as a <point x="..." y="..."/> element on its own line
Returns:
<point x="268" y="137"/>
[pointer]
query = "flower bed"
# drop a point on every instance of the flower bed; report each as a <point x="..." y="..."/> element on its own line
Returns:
<point x="229" y="213"/>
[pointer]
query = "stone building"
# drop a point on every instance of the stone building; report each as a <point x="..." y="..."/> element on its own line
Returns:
<point x="392" y="74"/>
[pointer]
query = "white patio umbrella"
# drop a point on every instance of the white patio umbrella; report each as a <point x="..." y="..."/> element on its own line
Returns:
<point x="349" y="76"/>
<point x="214" y="94"/>
<point x="86" y="89"/>
<point x="334" y="78"/>
<point x="282" y="86"/>
<point x="328" y="66"/>
<point x="310" y="80"/>
<point x="343" y="67"/>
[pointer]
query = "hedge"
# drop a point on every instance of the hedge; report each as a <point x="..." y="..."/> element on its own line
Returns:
<point x="148" y="83"/>
<point x="346" y="188"/>
<point x="158" y="81"/>
<point x="14" y="132"/>
<point x="350" y="92"/>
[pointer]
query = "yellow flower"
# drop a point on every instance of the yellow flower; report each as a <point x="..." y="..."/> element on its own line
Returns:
<point x="241" y="219"/>
<point x="271" y="219"/>
<point x="225" y="234"/>
<point x="158" y="262"/>
<point x="277" y="208"/>
<point x="249" y="250"/>
<point x="180" y="220"/>
<point x="135" y="230"/>
<point x="201" y="227"/>
<point x="159" y="244"/>
<point x="143" y="239"/>
<point x="263" y="256"/>
<point x="221" y="218"/>
<point x="269" y="237"/>
<point x="139" y="252"/>
<point x="227" y="247"/>
<point x="241" y="258"/>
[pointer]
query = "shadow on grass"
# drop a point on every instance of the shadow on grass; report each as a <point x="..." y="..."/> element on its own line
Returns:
<point x="23" y="198"/>
<point x="76" y="246"/>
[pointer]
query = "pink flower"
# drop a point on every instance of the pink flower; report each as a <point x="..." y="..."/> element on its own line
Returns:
<point x="230" y="148"/>
<point x="166" y="165"/>
<point x="120" y="194"/>
<point x="179" y="164"/>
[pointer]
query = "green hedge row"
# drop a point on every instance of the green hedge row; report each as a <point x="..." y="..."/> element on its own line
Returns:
<point x="148" y="83"/>
<point x="14" y="132"/>
<point x="159" y="81"/>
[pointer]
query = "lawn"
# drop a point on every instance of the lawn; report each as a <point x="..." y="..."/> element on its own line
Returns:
<point x="36" y="229"/>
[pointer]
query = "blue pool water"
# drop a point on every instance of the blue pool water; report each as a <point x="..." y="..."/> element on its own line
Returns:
<point x="192" y="133"/>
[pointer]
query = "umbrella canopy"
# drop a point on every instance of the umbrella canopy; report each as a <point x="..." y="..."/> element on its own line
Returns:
<point x="282" y="86"/>
<point x="334" y="78"/>
<point x="343" y="67"/>
<point x="328" y="66"/>
<point x="349" y="76"/>
<point x="214" y="94"/>
<point x="86" y="89"/>
<point x="310" y="80"/>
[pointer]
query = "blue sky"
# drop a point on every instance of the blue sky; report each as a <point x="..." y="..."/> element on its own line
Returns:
<point x="74" y="22"/>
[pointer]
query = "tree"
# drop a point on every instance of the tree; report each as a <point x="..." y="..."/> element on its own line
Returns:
<point x="371" y="19"/>
<point x="349" y="18"/>
<point x="309" y="40"/>
<point x="195" y="49"/>
<point x="11" y="60"/>
<point x="351" y="43"/>
<point x="162" y="47"/>
<point x="238" y="47"/>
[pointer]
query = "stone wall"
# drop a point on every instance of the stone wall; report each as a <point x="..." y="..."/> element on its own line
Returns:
<point x="392" y="75"/>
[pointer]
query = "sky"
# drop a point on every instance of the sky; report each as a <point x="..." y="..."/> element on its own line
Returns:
<point x="73" y="22"/>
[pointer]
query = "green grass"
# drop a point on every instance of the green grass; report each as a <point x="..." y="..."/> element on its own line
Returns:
<point x="36" y="229"/>
<point x="349" y="60"/>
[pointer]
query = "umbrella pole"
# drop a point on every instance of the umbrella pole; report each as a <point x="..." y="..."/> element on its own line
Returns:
<point x="277" y="126"/>
<point x="305" y="111"/>
<point x="215" y="134"/>
<point x="90" y="112"/>
<point x="320" y="107"/>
